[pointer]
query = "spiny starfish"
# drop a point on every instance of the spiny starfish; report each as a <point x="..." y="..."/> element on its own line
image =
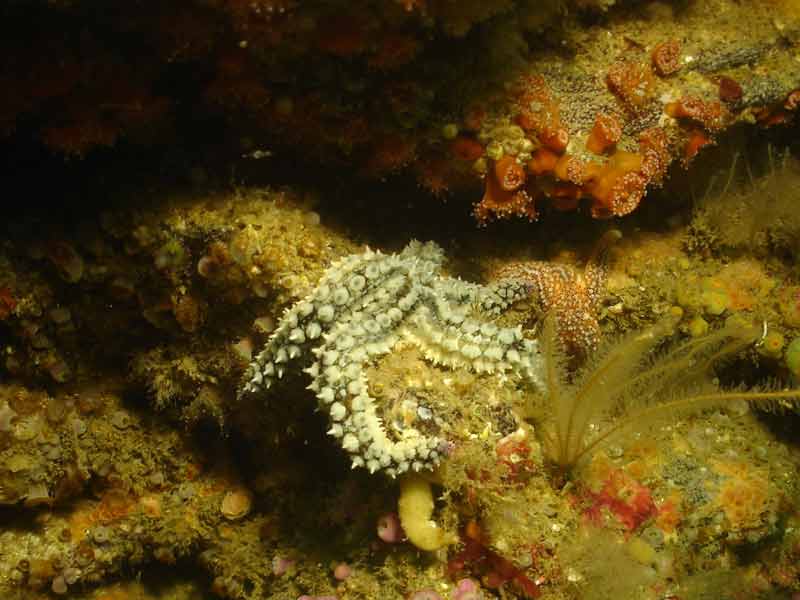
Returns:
<point x="364" y="307"/>
<point x="572" y="295"/>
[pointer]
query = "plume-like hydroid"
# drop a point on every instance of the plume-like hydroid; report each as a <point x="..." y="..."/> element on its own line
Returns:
<point x="635" y="381"/>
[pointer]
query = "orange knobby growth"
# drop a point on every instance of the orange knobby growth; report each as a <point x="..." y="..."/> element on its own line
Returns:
<point x="434" y="175"/>
<point x="388" y="154"/>
<point x="565" y="196"/>
<point x="769" y="117"/>
<point x="555" y="139"/>
<point x="697" y="139"/>
<point x="666" y="57"/>
<point x="539" y="112"/>
<point x="466" y="149"/>
<point x="474" y="116"/>
<point x="509" y="173"/>
<point x="605" y="133"/>
<point x="571" y="169"/>
<point x="506" y="199"/>
<point x="633" y="83"/>
<point x="729" y="90"/>
<point x="542" y="162"/>
<point x="7" y="303"/>
<point x="792" y="100"/>
<point x="654" y="148"/>
<point x="618" y="186"/>
<point x="709" y="114"/>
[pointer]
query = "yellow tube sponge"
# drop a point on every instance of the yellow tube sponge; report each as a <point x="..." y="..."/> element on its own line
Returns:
<point x="415" y="509"/>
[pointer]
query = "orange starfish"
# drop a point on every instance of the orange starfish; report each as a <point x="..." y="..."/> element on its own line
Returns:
<point x="573" y="296"/>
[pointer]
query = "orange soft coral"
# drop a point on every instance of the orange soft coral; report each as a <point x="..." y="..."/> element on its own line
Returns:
<point x="509" y="173"/>
<point x="618" y="186"/>
<point x="654" y="148"/>
<point x="729" y="90"/>
<point x="697" y="140"/>
<point x="632" y="82"/>
<point x="570" y="169"/>
<point x="792" y="100"/>
<point x="542" y="162"/>
<point x="439" y="176"/>
<point x="709" y="114"/>
<point x="466" y="149"/>
<point x="390" y="153"/>
<point x="605" y="133"/>
<point x="565" y="196"/>
<point x="7" y="302"/>
<point x="556" y="139"/>
<point x="504" y="194"/>
<point x="539" y="113"/>
<point x="666" y="57"/>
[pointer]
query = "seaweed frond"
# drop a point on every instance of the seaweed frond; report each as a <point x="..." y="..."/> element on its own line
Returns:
<point x="636" y="381"/>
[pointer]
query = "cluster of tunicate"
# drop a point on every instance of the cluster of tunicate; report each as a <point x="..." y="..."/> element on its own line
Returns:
<point x="50" y="448"/>
<point x="743" y="291"/>
<point x="363" y="307"/>
<point x="41" y="327"/>
<point x="789" y="305"/>
<point x="793" y="357"/>
<point x="37" y="467"/>
<point x="174" y="268"/>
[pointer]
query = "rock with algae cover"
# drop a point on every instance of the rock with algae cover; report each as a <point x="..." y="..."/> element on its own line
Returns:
<point x="546" y="110"/>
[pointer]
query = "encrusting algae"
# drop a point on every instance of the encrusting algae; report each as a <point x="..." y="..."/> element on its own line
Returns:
<point x="501" y="516"/>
